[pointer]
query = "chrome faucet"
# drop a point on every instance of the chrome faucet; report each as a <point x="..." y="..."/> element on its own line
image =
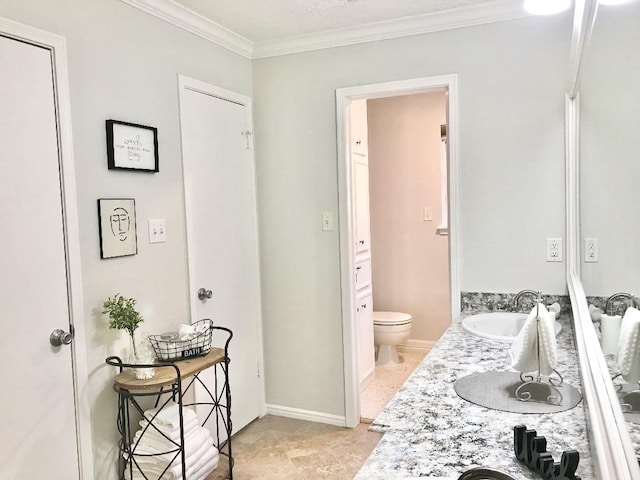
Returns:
<point x="515" y="304"/>
<point x="611" y="301"/>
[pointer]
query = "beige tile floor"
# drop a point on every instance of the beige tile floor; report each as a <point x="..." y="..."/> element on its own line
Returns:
<point x="278" y="448"/>
<point x="286" y="449"/>
<point x="388" y="380"/>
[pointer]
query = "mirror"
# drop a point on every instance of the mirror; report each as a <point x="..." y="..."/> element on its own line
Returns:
<point x="610" y="163"/>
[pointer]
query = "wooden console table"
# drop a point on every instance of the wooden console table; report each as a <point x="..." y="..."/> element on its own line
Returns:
<point x="172" y="380"/>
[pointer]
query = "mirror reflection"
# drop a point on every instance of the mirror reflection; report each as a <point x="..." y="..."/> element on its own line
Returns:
<point x="609" y="203"/>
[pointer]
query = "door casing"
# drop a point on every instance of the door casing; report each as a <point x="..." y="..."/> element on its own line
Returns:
<point x="344" y="96"/>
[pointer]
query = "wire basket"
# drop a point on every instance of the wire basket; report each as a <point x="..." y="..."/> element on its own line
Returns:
<point x="169" y="347"/>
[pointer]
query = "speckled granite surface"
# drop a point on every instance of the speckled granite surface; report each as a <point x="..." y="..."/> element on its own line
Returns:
<point x="430" y="432"/>
<point x="632" y="426"/>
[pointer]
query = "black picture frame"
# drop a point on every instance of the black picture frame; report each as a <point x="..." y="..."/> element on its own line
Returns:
<point x="117" y="227"/>
<point x="131" y="146"/>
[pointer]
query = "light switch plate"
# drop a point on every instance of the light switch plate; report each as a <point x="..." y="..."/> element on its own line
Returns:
<point x="427" y="214"/>
<point x="157" y="230"/>
<point x="327" y="221"/>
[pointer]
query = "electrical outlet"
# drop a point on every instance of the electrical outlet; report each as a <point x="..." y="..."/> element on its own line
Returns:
<point x="591" y="250"/>
<point x="157" y="230"/>
<point x="554" y="249"/>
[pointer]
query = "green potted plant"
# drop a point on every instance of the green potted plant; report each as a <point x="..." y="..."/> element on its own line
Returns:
<point x="123" y="316"/>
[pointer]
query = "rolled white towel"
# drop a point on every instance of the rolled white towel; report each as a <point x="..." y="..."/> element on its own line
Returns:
<point x="538" y="331"/>
<point x="610" y="332"/>
<point x="628" y="360"/>
<point x="170" y="415"/>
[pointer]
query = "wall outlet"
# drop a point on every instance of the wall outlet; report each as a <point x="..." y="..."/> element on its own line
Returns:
<point x="591" y="250"/>
<point x="157" y="230"/>
<point x="554" y="249"/>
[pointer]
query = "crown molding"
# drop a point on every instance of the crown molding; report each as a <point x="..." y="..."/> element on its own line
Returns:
<point x="181" y="17"/>
<point x="403" y="27"/>
<point x="174" y="13"/>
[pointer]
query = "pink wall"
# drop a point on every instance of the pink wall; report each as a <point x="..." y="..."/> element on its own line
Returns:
<point x="410" y="261"/>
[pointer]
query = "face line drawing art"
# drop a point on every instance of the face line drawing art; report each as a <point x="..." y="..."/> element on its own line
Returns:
<point x="120" y="222"/>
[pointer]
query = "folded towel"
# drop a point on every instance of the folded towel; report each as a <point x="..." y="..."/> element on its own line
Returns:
<point x="537" y="336"/>
<point x="204" y="461"/>
<point x="610" y="332"/>
<point x="153" y="441"/>
<point x="169" y="415"/>
<point x="163" y="431"/>
<point x="629" y="346"/>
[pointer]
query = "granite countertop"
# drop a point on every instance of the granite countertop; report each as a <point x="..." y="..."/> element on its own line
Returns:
<point x="633" y="425"/>
<point x="430" y="432"/>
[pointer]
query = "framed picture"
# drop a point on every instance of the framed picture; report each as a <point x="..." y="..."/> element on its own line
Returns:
<point x="117" y="218"/>
<point x="131" y="146"/>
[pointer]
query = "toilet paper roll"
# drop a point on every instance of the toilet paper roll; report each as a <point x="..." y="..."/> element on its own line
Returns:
<point x="610" y="332"/>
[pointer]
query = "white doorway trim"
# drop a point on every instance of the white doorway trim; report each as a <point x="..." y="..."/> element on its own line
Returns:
<point x="344" y="96"/>
<point x="80" y="371"/>
<point x="188" y="83"/>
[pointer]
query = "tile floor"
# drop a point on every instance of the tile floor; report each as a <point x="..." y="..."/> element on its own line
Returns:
<point x="278" y="448"/>
<point x="388" y="380"/>
<point x="286" y="449"/>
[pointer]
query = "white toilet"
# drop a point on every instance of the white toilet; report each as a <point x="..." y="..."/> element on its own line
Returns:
<point x="390" y="329"/>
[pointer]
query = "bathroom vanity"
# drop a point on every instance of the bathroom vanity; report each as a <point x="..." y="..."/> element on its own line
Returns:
<point x="430" y="432"/>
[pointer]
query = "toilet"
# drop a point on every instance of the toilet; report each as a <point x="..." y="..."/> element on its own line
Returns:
<point x="390" y="329"/>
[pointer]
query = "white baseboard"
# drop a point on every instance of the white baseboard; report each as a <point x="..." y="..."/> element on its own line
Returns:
<point x="308" y="415"/>
<point x="422" y="346"/>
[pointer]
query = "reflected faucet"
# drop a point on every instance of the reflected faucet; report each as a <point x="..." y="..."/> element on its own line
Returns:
<point x="515" y="304"/>
<point x="611" y="301"/>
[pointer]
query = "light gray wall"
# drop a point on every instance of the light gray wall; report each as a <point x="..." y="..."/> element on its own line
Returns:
<point x="609" y="154"/>
<point x="410" y="261"/>
<point x="123" y="64"/>
<point x="511" y="86"/>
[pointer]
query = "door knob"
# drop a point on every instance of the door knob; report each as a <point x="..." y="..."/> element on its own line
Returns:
<point x="203" y="294"/>
<point x="60" y="337"/>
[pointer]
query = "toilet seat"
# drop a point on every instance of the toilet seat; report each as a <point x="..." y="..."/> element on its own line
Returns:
<point x="391" y="318"/>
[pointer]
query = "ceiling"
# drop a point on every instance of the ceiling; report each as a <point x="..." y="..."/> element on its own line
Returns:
<point x="263" y="28"/>
<point x="261" y="20"/>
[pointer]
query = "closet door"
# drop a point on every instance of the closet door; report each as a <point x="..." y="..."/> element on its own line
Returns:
<point x="38" y="434"/>
<point x="222" y="242"/>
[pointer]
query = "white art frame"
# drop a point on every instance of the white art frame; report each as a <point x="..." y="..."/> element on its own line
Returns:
<point x="117" y="221"/>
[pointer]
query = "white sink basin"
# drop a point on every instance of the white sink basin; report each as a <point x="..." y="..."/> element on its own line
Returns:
<point x="500" y="326"/>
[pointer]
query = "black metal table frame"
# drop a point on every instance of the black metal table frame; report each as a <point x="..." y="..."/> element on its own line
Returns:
<point x="220" y="405"/>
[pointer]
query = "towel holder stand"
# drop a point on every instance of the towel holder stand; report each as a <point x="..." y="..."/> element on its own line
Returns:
<point x="538" y="387"/>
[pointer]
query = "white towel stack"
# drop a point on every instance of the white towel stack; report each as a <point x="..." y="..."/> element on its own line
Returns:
<point x="538" y="330"/>
<point x="201" y="457"/>
<point x="629" y="346"/>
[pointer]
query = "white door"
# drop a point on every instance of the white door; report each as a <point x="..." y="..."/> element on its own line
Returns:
<point x="222" y="231"/>
<point x="38" y="434"/>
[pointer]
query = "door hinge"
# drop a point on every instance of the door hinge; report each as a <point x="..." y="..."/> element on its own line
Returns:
<point x="258" y="369"/>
